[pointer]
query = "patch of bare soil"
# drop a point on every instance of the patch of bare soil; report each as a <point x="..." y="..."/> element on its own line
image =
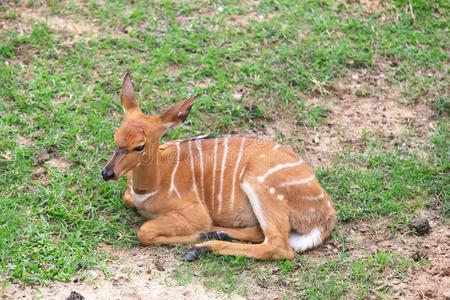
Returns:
<point x="74" y="29"/>
<point x="136" y="273"/>
<point x="61" y="164"/>
<point x="24" y="141"/>
<point x="238" y="20"/>
<point x="58" y="23"/>
<point x="362" y="105"/>
<point x="371" y="6"/>
<point x="147" y="273"/>
<point x="427" y="280"/>
<point x="244" y="20"/>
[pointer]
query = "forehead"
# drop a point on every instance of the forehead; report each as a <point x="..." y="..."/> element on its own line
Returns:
<point x="129" y="134"/>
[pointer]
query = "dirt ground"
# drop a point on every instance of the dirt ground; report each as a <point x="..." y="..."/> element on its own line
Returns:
<point x="147" y="273"/>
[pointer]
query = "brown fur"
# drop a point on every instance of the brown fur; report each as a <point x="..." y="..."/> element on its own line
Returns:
<point x="190" y="193"/>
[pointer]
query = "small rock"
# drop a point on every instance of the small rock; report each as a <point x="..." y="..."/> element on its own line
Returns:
<point x="316" y="139"/>
<point x="140" y="263"/>
<point x="418" y="255"/>
<point x="188" y="294"/>
<point x="75" y="296"/>
<point x="159" y="266"/>
<point x="429" y="293"/>
<point x="421" y="226"/>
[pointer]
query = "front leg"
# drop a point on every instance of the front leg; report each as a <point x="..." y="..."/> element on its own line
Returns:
<point x="170" y="229"/>
<point x="126" y="198"/>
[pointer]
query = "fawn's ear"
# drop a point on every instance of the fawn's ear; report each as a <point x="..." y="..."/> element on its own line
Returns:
<point x="127" y="96"/>
<point x="177" y="113"/>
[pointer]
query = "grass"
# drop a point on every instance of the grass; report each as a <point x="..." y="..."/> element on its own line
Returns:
<point x="304" y="277"/>
<point x="60" y="93"/>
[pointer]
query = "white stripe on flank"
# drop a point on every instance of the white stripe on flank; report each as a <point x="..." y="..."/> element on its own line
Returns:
<point x="222" y="172"/>
<point x="280" y="197"/>
<point x="255" y="203"/>
<point x="312" y="198"/>
<point x="279" y="168"/>
<point x="173" y="188"/>
<point x="272" y="190"/>
<point x="200" y="155"/>
<point x="302" y="242"/>
<point x="194" y="182"/>
<point x="297" y="182"/>
<point x="241" y="173"/>
<point x="235" y="172"/>
<point x="214" y="175"/>
<point x="139" y="198"/>
<point x="276" y="147"/>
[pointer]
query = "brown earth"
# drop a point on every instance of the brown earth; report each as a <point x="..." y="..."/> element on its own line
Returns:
<point x="362" y="105"/>
<point x="148" y="273"/>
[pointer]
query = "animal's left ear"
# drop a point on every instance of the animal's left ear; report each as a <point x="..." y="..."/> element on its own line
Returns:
<point x="177" y="113"/>
<point x="127" y="96"/>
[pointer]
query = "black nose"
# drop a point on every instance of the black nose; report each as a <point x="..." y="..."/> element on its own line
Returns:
<point x="107" y="174"/>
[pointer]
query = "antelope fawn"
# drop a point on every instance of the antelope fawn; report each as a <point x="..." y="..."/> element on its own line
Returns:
<point x="213" y="190"/>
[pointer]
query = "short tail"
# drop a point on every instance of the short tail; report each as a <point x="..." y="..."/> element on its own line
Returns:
<point x="303" y="242"/>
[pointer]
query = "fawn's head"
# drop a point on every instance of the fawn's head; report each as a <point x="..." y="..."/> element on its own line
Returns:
<point x="139" y="134"/>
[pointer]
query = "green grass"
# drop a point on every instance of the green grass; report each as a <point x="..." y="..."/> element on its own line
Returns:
<point x="61" y="93"/>
<point x="301" y="278"/>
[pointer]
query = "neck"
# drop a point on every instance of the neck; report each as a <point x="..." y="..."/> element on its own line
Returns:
<point x="146" y="177"/>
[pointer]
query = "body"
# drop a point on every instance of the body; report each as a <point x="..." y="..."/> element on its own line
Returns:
<point x="222" y="188"/>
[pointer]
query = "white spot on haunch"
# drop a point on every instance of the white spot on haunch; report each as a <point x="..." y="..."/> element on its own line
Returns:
<point x="302" y="242"/>
<point x="272" y="190"/>
<point x="255" y="203"/>
<point x="280" y="197"/>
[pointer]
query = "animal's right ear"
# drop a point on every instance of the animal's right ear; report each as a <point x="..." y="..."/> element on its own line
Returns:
<point x="177" y="113"/>
<point x="127" y="96"/>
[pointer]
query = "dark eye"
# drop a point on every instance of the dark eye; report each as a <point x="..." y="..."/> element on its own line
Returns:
<point x="139" y="148"/>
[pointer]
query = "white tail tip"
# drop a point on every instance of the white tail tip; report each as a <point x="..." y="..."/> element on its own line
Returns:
<point x="302" y="242"/>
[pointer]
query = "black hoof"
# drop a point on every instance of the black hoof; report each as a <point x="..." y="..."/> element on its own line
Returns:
<point x="214" y="235"/>
<point x="194" y="253"/>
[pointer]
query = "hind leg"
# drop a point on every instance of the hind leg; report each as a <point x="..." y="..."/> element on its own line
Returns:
<point x="273" y="219"/>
